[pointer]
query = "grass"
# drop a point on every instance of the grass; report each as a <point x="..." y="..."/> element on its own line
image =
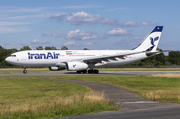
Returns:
<point x="59" y="107"/>
<point x="25" y="97"/>
<point x="167" y="75"/>
<point x="18" y="89"/>
<point x="163" y="89"/>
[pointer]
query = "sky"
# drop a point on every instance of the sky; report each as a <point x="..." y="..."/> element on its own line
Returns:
<point x="92" y="24"/>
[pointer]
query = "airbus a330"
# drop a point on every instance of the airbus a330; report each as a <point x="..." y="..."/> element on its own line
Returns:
<point x="84" y="61"/>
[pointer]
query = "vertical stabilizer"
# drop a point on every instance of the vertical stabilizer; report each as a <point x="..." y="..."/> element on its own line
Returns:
<point x="150" y="43"/>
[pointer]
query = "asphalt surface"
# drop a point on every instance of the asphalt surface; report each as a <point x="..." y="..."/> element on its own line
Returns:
<point x="134" y="107"/>
<point x="147" y="114"/>
<point x="57" y="73"/>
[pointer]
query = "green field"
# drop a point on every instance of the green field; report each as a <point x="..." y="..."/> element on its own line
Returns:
<point x="25" y="97"/>
<point x="163" y="89"/>
<point x="38" y="97"/>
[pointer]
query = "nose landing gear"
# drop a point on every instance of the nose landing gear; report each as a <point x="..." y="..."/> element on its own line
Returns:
<point x="25" y="71"/>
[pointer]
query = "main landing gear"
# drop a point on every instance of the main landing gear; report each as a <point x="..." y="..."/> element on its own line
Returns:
<point x="90" y="71"/>
<point x="83" y="71"/>
<point x="95" y="71"/>
<point x="25" y="71"/>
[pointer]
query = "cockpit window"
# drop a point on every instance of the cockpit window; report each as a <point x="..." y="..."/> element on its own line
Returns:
<point x="12" y="55"/>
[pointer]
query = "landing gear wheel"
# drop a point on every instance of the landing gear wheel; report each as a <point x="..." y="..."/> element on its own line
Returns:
<point x="96" y="71"/>
<point x="78" y="72"/>
<point x="84" y="71"/>
<point x="90" y="71"/>
<point x="25" y="71"/>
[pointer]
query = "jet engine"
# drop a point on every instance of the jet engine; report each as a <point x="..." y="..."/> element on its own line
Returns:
<point x="76" y="66"/>
<point x="56" y="68"/>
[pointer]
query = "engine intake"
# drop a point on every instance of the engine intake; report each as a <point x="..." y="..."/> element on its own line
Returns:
<point x="56" y="68"/>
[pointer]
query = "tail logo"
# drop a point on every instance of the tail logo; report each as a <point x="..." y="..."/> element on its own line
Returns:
<point x="153" y="40"/>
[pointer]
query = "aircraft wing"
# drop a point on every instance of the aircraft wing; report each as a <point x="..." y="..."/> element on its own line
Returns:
<point x="165" y="51"/>
<point x="157" y="52"/>
<point x="97" y="59"/>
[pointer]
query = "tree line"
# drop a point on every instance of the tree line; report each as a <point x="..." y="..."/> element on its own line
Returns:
<point x="173" y="57"/>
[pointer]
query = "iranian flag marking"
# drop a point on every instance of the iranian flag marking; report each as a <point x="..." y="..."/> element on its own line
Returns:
<point x="68" y="52"/>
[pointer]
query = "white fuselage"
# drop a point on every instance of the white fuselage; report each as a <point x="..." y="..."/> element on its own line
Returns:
<point x="43" y="58"/>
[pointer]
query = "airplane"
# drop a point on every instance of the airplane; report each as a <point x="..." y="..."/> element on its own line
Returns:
<point x="81" y="60"/>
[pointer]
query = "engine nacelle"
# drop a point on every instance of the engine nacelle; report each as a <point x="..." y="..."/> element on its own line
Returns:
<point x="56" y="68"/>
<point x="76" y="66"/>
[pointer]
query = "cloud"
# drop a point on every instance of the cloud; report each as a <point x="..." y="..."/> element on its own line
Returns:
<point x="80" y="6"/>
<point x="131" y="23"/>
<point x="28" y="16"/>
<point x="136" y="38"/>
<point x="122" y="9"/>
<point x="60" y="17"/>
<point x="83" y="17"/>
<point x="88" y="43"/>
<point x="14" y="13"/>
<point x="76" y="35"/>
<point x="54" y="35"/>
<point x="4" y="30"/>
<point x="147" y="23"/>
<point x="135" y="24"/>
<point x="128" y="43"/>
<point x="118" y="32"/>
<point x="69" y="43"/>
<point x="33" y="44"/>
<point x="81" y="35"/>
<point x="13" y="23"/>
<point x="110" y="21"/>
<point x="16" y="46"/>
<point x="11" y="9"/>
<point x="39" y="41"/>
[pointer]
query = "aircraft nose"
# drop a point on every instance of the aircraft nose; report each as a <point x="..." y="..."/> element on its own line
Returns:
<point x="7" y="59"/>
